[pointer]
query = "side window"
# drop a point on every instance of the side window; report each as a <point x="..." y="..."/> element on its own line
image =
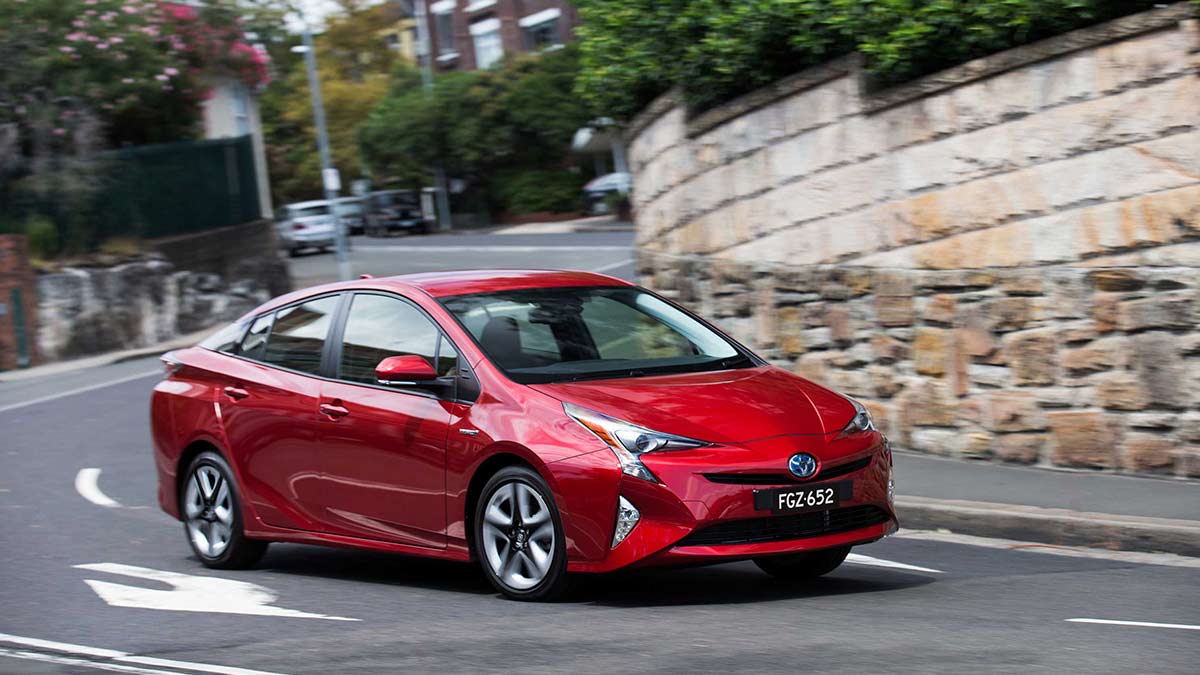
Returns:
<point x="447" y="359"/>
<point x="256" y="337"/>
<point x="225" y="340"/>
<point x="379" y="327"/>
<point x="298" y="336"/>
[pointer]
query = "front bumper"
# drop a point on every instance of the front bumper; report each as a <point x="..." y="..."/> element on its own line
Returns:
<point x="688" y="518"/>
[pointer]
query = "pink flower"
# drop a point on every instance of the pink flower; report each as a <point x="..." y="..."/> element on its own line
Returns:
<point x="161" y="78"/>
<point x="127" y="80"/>
<point x="116" y="40"/>
<point x="171" y="71"/>
<point x="60" y="132"/>
<point x="129" y="9"/>
<point x="65" y="49"/>
<point x="74" y="37"/>
<point x="79" y="23"/>
<point x="102" y="45"/>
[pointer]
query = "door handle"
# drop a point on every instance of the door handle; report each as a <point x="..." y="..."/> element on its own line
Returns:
<point x="236" y="393"/>
<point x="334" y="412"/>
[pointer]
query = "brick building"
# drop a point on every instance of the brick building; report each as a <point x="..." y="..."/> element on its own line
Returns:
<point x="473" y="34"/>
<point x="18" y="305"/>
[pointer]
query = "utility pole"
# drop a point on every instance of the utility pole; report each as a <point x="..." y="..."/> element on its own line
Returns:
<point x="426" y="58"/>
<point x="329" y="175"/>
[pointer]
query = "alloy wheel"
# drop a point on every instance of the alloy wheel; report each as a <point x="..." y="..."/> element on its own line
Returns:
<point x="518" y="535"/>
<point x="208" y="507"/>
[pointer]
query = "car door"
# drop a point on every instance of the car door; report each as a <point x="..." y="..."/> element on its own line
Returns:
<point x="383" y="449"/>
<point x="269" y="411"/>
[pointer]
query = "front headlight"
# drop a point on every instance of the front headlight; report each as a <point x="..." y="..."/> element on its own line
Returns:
<point x="862" y="421"/>
<point x="628" y="441"/>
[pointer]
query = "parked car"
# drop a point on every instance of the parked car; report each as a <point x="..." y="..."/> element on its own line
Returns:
<point x="351" y="213"/>
<point x="395" y="210"/>
<point x="305" y="225"/>
<point x="597" y="191"/>
<point x="541" y="423"/>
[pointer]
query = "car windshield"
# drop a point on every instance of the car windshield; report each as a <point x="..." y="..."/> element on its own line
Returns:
<point x="308" y="211"/>
<point x="567" y="334"/>
<point x="350" y="209"/>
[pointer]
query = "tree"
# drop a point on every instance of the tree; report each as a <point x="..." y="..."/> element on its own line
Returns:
<point x="493" y="128"/>
<point x="357" y="70"/>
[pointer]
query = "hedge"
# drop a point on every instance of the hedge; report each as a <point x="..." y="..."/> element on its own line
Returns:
<point x="715" y="50"/>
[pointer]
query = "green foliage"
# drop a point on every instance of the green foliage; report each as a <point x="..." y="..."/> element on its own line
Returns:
<point x="538" y="190"/>
<point x="715" y="50"/>
<point x="42" y="235"/>
<point x="517" y="118"/>
<point x="357" y="70"/>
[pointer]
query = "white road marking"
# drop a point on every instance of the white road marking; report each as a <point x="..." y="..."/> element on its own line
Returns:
<point x="81" y="663"/>
<point x="112" y="658"/>
<point x="613" y="266"/>
<point x="191" y="593"/>
<point x="88" y="486"/>
<point x="1137" y="624"/>
<point x="857" y="559"/>
<point x="1134" y="557"/>
<point x="81" y="390"/>
<point x="488" y="249"/>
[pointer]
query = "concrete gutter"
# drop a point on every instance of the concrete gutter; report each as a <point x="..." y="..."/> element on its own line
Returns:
<point x="1051" y="526"/>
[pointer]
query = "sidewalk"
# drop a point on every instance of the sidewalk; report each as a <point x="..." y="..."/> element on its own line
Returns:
<point x="1048" y="506"/>
<point x="88" y="362"/>
<point x="591" y="224"/>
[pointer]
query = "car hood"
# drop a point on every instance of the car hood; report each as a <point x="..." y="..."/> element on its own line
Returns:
<point x="727" y="406"/>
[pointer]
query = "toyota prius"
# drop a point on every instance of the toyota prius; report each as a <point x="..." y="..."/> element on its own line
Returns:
<point x="544" y="424"/>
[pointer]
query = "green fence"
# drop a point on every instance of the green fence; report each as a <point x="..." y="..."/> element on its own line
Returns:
<point x="175" y="188"/>
<point x="143" y="192"/>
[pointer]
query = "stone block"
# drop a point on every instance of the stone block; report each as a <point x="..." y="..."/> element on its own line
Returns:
<point x="1162" y="373"/>
<point x="976" y="445"/>
<point x="1189" y="426"/>
<point x="841" y="328"/>
<point x="1032" y="356"/>
<point x="993" y="377"/>
<point x="930" y="351"/>
<point x="1063" y="397"/>
<point x="1081" y="439"/>
<point x="1020" y="448"/>
<point x="1008" y="314"/>
<point x="976" y="342"/>
<point x="1116" y="280"/>
<point x="1015" y="411"/>
<point x="894" y="310"/>
<point x="925" y="403"/>
<point x="1023" y="282"/>
<point x="1163" y="310"/>
<point x="939" y="310"/>
<point x="1148" y="452"/>
<point x="883" y="381"/>
<point x="1105" y="312"/>
<point x="790" y="324"/>
<point x="1120" y="391"/>
<point x="888" y="349"/>
<point x="1094" y="357"/>
<point x="945" y="442"/>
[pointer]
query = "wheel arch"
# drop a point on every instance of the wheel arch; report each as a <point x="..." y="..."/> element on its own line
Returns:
<point x="503" y="456"/>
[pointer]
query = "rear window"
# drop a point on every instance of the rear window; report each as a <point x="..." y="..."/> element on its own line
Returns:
<point x="225" y="340"/>
<point x="298" y="336"/>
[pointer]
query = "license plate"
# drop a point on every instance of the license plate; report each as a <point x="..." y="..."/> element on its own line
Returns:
<point x="819" y="497"/>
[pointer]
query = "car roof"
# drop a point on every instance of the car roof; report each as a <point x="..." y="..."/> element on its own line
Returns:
<point x="462" y="282"/>
<point x="308" y="204"/>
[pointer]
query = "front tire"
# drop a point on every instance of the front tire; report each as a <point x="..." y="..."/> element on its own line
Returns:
<point x="518" y="536"/>
<point x="211" y="506"/>
<point x="803" y="566"/>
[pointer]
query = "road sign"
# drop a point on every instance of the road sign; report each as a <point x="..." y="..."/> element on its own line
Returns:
<point x="332" y="180"/>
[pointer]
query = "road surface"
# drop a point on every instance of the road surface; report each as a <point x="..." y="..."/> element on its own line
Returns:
<point x="93" y="578"/>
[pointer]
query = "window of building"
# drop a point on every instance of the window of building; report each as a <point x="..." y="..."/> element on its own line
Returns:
<point x="298" y="336"/>
<point x="378" y="327"/>
<point x="488" y="47"/>
<point x="541" y="30"/>
<point x="443" y="27"/>
<point x="241" y="109"/>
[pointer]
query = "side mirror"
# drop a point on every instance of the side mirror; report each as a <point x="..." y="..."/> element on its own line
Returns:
<point x="399" y="371"/>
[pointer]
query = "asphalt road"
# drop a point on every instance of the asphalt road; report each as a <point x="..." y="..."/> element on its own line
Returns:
<point x="961" y="605"/>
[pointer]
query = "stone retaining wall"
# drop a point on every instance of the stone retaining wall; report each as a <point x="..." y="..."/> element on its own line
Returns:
<point x="1002" y="259"/>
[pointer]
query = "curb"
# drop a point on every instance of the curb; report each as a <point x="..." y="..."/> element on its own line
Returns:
<point x="1051" y="526"/>
<point x="99" y="360"/>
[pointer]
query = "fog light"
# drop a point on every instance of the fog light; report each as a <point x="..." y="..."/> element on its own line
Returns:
<point x="627" y="517"/>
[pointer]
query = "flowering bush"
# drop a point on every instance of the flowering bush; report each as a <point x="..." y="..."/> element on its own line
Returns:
<point x="134" y="68"/>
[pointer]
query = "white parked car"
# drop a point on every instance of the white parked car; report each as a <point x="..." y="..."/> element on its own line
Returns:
<point x="305" y="225"/>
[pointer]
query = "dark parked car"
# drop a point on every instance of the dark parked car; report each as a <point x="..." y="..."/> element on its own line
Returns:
<point x="394" y="210"/>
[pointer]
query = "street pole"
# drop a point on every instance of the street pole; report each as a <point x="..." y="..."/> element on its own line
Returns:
<point x="329" y="176"/>
<point x="441" y="195"/>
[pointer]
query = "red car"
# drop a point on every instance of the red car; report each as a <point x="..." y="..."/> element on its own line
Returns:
<point x="542" y="423"/>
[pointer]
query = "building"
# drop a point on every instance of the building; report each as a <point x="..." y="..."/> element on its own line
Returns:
<point x="401" y="34"/>
<point x="474" y="34"/>
<point x="230" y="111"/>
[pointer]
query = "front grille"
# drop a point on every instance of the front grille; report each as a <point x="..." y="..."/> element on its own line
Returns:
<point x="783" y="528"/>
<point x="783" y="477"/>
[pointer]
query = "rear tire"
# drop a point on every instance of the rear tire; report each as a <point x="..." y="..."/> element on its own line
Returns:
<point x="803" y="566"/>
<point x="211" y="508"/>
<point x="519" y="538"/>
